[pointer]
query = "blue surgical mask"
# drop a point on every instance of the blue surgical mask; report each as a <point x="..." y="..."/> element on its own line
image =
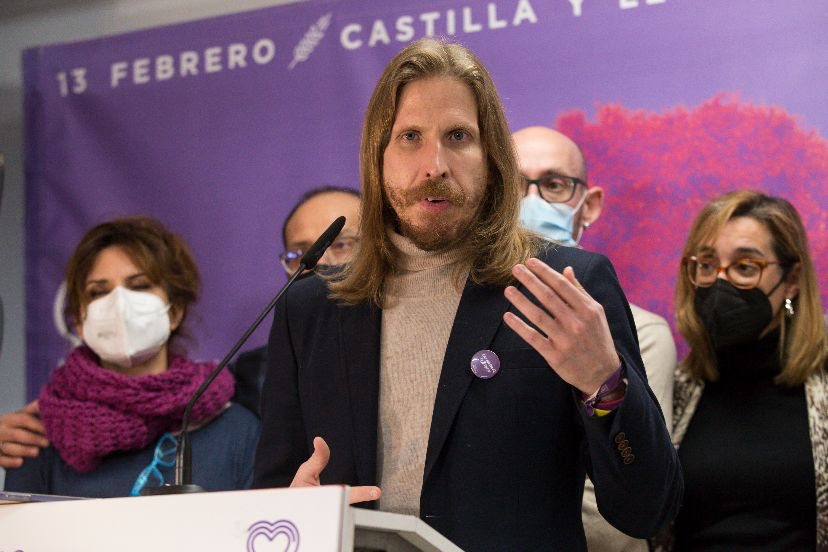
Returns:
<point x="554" y="221"/>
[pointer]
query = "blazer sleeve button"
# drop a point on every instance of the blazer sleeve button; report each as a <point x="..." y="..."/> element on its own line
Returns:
<point x="620" y="436"/>
<point x="629" y="459"/>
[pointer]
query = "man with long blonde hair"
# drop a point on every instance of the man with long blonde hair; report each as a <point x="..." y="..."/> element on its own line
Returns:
<point x="400" y="371"/>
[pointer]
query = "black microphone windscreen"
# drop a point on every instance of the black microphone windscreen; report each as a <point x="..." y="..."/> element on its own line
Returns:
<point x="318" y="248"/>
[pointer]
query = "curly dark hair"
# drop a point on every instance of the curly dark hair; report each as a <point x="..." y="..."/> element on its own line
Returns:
<point x="163" y="256"/>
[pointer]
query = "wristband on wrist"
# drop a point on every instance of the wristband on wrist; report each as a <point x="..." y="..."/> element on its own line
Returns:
<point x="609" y="405"/>
<point x="593" y="402"/>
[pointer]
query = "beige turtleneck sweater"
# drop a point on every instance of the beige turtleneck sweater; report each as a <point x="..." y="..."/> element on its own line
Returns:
<point x="420" y="302"/>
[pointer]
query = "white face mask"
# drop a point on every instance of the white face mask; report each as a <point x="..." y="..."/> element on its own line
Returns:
<point x="126" y="327"/>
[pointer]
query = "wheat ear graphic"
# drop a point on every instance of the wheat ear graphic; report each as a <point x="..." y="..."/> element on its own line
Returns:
<point x="311" y="40"/>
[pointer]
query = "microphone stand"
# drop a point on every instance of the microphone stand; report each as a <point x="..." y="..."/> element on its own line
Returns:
<point x="183" y="453"/>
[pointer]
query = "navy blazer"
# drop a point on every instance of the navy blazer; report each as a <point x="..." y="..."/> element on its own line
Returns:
<point x="507" y="456"/>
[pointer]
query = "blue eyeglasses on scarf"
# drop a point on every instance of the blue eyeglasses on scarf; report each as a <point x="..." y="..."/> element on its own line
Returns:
<point x="164" y="456"/>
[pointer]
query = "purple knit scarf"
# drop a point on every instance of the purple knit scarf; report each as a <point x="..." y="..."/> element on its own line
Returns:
<point x="90" y="412"/>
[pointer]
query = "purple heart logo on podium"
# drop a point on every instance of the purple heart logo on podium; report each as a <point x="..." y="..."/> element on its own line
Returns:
<point x="280" y="531"/>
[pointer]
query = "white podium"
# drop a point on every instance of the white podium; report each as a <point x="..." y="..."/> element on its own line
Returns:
<point x="267" y="520"/>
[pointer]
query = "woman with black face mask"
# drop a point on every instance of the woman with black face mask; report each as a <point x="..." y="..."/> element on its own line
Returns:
<point x="751" y="398"/>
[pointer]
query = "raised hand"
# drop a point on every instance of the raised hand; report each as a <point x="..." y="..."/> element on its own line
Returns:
<point x="574" y="336"/>
<point x="308" y="474"/>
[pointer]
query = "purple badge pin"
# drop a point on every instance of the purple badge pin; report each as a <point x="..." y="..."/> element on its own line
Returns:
<point x="485" y="364"/>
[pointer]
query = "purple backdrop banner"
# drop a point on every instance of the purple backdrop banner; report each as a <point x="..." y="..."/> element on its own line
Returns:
<point x="216" y="127"/>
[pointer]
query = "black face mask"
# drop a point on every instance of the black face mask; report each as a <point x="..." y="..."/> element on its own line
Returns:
<point x="307" y="274"/>
<point x="324" y="269"/>
<point x="733" y="316"/>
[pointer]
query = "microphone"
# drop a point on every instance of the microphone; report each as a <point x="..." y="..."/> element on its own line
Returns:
<point x="183" y="454"/>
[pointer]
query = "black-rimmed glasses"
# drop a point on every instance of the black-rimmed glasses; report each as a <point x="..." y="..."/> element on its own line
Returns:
<point x="340" y="252"/>
<point x="554" y="188"/>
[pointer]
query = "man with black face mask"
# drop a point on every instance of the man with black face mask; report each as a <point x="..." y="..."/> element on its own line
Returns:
<point x="22" y="434"/>
<point x="311" y="216"/>
<point x="306" y="221"/>
<point x="751" y="397"/>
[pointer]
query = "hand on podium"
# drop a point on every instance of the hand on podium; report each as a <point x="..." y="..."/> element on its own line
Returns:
<point x="308" y="474"/>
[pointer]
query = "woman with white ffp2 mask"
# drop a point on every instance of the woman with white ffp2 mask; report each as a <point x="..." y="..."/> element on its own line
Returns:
<point x="127" y="328"/>
<point x="128" y="320"/>
<point x="112" y="410"/>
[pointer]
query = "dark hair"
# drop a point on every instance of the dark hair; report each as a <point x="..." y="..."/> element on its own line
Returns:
<point x="310" y="194"/>
<point x="163" y="256"/>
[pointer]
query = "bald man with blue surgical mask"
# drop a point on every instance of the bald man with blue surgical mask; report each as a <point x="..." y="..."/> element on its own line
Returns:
<point x="557" y="202"/>
<point x="560" y="205"/>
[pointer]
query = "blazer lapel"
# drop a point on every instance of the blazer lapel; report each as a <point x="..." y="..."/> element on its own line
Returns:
<point x="478" y="317"/>
<point x="359" y="335"/>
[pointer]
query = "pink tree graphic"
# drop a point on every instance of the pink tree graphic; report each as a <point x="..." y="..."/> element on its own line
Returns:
<point x="659" y="169"/>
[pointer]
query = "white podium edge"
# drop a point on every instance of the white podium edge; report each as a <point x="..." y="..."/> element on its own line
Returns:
<point x="410" y="528"/>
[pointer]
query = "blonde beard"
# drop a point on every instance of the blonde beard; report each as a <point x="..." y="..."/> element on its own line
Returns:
<point x="436" y="237"/>
<point x="437" y="234"/>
